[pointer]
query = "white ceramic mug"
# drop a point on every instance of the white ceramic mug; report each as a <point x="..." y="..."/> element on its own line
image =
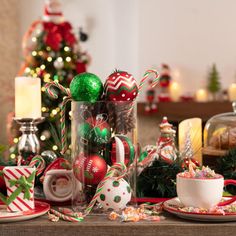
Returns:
<point x="202" y="193"/>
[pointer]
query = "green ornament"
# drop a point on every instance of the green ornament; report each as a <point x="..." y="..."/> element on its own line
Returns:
<point x="94" y="136"/>
<point x="86" y="87"/>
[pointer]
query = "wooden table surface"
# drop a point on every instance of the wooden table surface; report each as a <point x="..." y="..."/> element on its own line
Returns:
<point x="100" y="225"/>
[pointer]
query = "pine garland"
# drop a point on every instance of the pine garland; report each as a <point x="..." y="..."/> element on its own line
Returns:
<point x="159" y="180"/>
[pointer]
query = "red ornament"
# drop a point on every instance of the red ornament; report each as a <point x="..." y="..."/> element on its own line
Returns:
<point x="90" y="169"/>
<point x="122" y="150"/>
<point x="121" y="86"/>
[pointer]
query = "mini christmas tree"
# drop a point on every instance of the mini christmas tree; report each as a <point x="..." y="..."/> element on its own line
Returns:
<point x="52" y="52"/>
<point x="214" y="85"/>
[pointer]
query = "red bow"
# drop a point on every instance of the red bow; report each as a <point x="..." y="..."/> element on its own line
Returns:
<point x="80" y="67"/>
<point x="56" y="33"/>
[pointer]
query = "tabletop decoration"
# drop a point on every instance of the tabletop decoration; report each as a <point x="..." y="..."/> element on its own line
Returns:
<point x="103" y="133"/>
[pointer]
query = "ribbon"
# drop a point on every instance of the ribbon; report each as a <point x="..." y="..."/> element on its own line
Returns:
<point x="56" y="33"/>
<point x="23" y="184"/>
<point x="51" y="93"/>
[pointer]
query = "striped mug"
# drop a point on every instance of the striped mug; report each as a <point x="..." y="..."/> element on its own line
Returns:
<point x="20" y="188"/>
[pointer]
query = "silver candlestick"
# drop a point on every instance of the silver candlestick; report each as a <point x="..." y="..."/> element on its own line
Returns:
<point x="28" y="144"/>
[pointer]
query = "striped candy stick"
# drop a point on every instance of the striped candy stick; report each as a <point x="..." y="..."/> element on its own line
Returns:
<point x="146" y="76"/>
<point x="120" y="170"/>
<point x="66" y="217"/>
<point x="66" y="99"/>
<point x="144" y="80"/>
<point x="52" y="92"/>
<point x="70" y="212"/>
<point x="39" y="164"/>
<point x="63" y="124"/>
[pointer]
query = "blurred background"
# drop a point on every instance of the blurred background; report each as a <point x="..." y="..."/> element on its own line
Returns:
<point x="132" y="35"/>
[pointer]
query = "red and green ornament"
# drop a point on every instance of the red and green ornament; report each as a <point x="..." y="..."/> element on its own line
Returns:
<point x="94" y="133"/>
<point x="120" y="86"/>
<point x="121" y="149"/>
<point x="115" y="194"/>
<point x="89" y="169"/>
<point x="86" y="87"/>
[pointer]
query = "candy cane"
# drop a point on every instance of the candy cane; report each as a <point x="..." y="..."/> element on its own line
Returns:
<point x="63" y="124"/>
<point x="66" y="217"/>
<point x="146" y="76"/>
<point x="144" y="80"/>
<point x="52" y="93"/>
<point x="118" y="168"/>
<point x="69" y="212"/>
<point x="66" y="99"/>
<point x="19" y="160"/>
<point x="41" y="164"/>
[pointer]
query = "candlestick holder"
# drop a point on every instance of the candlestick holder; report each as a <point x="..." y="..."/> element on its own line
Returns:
<point x="28" y="144"/>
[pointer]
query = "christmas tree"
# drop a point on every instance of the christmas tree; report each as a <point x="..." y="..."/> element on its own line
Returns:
<point x="52" y="52"/>
<point x="214" y="81"/>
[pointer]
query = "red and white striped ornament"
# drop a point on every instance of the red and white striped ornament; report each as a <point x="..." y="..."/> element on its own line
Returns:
<point x="120" y="86"/>
<point x="20" y="203"/>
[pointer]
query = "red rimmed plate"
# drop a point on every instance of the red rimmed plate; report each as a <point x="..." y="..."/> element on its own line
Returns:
<point x="174" y="204"/>
<point x="41" y="208"/>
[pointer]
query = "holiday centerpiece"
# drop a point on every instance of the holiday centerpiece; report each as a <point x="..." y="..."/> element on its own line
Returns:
<point x="103" y="135"/>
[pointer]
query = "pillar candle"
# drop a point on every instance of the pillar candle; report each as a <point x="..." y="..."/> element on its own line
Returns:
<point x="201" y="95"/>
<point x="175" y="91"/>
<point x="27" y="97"/>
<point x="232" y="92"/>
<point x="194" y="126"/>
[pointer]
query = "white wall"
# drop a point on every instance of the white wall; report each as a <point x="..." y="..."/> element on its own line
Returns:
<point x="135" y="35"/>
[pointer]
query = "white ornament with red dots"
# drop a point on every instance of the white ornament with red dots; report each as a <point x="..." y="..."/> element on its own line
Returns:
<point x="115" y="194"/>
<point x="120" y="86"/>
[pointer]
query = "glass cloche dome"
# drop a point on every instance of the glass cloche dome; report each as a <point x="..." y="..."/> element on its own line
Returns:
<point x="220" y="133"/>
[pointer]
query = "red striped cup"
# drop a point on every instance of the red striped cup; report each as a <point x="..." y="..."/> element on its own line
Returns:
<point x="13" y="179"/>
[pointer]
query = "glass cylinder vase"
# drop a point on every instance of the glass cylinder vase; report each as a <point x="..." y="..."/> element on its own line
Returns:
<point x="103" y="133"/>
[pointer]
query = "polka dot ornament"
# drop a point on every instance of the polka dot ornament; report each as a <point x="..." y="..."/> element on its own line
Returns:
<point x="115" y="194"/>
<point x="120" y="86"/>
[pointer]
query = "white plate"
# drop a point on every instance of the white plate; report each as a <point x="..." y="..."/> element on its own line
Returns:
<point x="173" y="205"/>
<point x="41" y="208"/>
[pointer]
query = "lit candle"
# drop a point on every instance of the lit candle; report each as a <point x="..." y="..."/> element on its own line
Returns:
<point x="201" y="95"/>
<point x="175" y="91"/>
<point x="232" y="92"/>
<point x="192" y="129"/>
<point x="27" y="97"/>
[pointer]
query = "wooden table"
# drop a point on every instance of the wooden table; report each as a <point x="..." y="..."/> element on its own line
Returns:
<point x="100" y="225"/>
